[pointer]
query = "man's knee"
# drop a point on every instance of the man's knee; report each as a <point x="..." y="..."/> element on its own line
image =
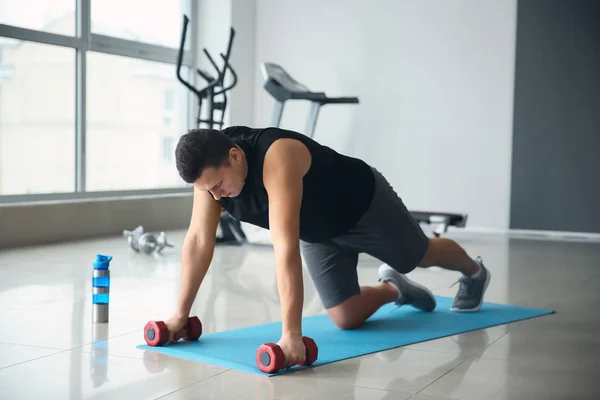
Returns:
<point x="343" y="317"/>
<point x="345" y="321"/>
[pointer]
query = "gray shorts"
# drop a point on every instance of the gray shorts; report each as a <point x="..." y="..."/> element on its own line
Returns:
<point x="386" y="231"/>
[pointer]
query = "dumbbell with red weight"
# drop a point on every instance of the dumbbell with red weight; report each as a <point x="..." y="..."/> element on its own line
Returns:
<point x="157" y="334"/>
<point x="270" y="357"/>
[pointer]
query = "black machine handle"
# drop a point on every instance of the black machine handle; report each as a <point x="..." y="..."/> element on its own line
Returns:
<point x="212" y="61"/>
<point x="228" y="66"/>
<point x="205" y="75"/>
<point x="186" y="21"/>
<point x="200" y="93"/>
<point x="225" y="89"/>
<point x="317" y="97"/>
<point x="341" y="100"/>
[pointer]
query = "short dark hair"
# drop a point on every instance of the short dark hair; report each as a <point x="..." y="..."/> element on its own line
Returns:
<point x="200" y="149"/>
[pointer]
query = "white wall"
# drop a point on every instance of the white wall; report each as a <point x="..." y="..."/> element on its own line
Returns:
<point x="435" y="81"/>
<point x="243" y="19"/>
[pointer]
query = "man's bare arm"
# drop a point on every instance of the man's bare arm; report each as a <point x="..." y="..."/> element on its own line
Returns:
<point x="286" y="163"/>
<point x="198" y="248"/>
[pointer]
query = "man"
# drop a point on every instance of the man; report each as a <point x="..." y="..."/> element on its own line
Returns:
<point x="320" y="205"/>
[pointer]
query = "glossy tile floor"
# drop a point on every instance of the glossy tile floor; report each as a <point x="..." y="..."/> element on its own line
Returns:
<point x="49" y="348"/>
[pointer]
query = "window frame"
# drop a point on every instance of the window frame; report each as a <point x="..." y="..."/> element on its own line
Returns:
<point x="84" y="41"/>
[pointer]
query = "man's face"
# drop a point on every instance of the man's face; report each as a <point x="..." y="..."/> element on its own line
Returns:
<point x="224" y="181"/>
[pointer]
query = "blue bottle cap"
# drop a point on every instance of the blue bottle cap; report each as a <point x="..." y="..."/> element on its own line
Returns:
<point x="102" y="262"/>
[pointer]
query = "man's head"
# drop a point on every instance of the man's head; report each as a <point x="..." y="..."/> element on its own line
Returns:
<point x="210" y="161"/>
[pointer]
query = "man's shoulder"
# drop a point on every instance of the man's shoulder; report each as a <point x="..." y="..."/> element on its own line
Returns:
<point x="287" y="155"/>
<point x="239" y="131"/>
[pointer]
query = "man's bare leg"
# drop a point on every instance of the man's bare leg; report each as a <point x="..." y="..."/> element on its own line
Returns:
<point x="353" y="312"/>
<point x="447" y="254"/>
<point x="441" y="252"/>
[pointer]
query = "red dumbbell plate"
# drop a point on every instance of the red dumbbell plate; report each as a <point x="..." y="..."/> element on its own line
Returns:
<point x="312" y="351"/>
<point x="194" y="329"/>
<point x="269" y="358"/>
<point x="156" y="333"/>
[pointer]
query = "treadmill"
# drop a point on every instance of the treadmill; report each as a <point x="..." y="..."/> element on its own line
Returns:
<point x="279" y="84"/>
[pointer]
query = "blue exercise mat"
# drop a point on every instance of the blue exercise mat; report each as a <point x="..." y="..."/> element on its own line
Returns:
<point x="388" y="328"/>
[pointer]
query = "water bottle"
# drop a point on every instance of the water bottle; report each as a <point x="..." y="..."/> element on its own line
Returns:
<point x="100" y="289"/>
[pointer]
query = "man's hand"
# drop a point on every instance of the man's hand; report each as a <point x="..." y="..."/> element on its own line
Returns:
<point x="176" y="326"/>
<point x="293" y="349"/>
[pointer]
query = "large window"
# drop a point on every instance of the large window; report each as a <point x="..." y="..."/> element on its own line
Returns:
<point x="56" y="16"/>
<point x="37" y="118"/>
<point x="155" y="22"/>
<point x="128" y="118"/>
<point x="89" y="100"/>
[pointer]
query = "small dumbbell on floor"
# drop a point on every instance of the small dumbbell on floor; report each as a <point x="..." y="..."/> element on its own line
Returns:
<point x="146" y="242"/>
<point x="150" y="242"/>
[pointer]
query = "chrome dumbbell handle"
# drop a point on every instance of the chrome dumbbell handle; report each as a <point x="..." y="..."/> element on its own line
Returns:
<point x="146" y="242"/>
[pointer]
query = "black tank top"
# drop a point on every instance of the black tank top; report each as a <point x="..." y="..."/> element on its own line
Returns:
<point x="337" y="189"/>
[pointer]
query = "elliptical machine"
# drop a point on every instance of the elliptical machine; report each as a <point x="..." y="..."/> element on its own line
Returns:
<point x="214" y="87"/>
<point x="230" y="229"/>
<point x="279" y="84"/>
